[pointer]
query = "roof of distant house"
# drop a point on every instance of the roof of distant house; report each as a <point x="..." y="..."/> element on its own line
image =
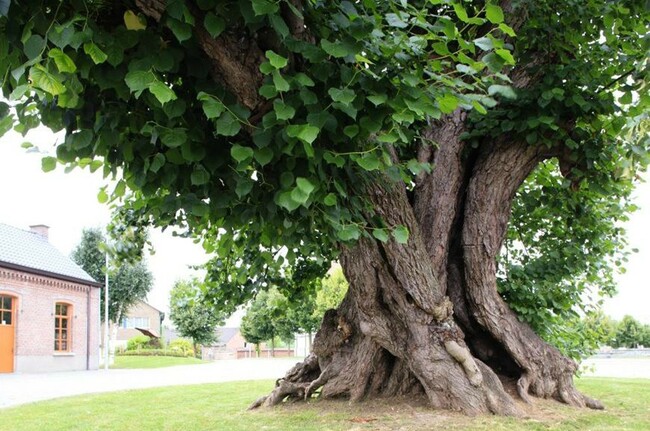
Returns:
<point x="31" y="252"/>
<point x="226" y="334"/>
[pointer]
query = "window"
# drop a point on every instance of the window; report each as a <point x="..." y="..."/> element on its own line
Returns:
<point x="135" y="322"/>
<point x="62" y="327"/>
<point x="6" y="310"/>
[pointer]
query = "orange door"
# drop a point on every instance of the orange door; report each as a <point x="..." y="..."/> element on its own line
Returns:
<point x="7" y="333"/>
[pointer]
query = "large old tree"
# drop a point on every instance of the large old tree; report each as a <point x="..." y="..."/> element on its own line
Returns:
<point x="392" y="135"/>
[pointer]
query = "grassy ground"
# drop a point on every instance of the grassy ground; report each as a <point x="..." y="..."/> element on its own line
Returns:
<point x="152" y="361"/>
<point x="223" y="407"/>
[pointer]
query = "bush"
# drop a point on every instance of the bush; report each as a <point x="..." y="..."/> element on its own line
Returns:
<point x="138" y="342"/>
<point x="153" y="352"/>
<point x="141" y="342"/>
<point x="183" y="346"/>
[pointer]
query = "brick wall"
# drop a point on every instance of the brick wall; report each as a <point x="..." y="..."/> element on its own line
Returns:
<point x="36" y="297"/>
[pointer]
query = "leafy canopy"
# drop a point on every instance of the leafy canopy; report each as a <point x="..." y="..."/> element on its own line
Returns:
<point x="284" y="168"/>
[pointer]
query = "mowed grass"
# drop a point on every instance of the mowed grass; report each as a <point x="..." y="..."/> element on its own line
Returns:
<point x="153" y="361"/>
<point x="223" y="407"/>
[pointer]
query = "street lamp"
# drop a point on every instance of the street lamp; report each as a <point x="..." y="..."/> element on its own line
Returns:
<point x="106" y="314"/>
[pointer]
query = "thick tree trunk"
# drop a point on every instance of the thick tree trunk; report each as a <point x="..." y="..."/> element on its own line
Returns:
<point x="424" y="318"/>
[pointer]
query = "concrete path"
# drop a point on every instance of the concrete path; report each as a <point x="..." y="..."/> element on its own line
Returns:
<point x="18" y="389"/>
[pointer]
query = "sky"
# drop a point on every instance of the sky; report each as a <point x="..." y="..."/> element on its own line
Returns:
<point x="67" y="203"/>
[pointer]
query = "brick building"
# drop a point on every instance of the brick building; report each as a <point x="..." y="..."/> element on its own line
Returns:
<point x="229" y="342"/>
<point x="49" y="306"/>
<point x="140" y="316"/>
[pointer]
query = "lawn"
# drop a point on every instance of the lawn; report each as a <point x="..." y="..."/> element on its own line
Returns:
<point x="223" y="407"/>
<point x="153" y="361"/>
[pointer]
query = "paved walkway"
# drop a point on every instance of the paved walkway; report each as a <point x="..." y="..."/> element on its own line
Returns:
<point x="617" y="367"/>
<point x="18" y="388"/>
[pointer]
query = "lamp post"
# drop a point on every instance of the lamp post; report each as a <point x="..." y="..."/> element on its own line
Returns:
<point x="106" y="315"/>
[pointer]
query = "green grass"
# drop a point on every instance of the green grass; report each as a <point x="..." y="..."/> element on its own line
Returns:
<point x="152" y="361"/>
<point x="223" y="407"/>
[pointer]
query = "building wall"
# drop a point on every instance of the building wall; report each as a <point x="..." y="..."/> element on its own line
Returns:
<point x="140" y="309"/>
<point x="36" y="299"/>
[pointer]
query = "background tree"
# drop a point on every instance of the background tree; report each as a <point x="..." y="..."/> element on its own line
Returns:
<point x="268" y="317"/>
<point x="331" y="292"/>
<point x="192" y="315"/>
<point x="406" y="139"/>
<point x="128" y="283"/>
<point x="629" y="333"/>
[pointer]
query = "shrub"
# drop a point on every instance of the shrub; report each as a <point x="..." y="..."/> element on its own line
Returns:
<point x="153" y="352"/>
<point x="138" y="342"/>
<point x="141" y="342"/>
<point x="183" y="346"/>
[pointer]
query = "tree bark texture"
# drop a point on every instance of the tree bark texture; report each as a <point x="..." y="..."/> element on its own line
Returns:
<point x="422" y="318"/>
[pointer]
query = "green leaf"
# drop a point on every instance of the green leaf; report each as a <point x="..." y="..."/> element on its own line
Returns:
<point x="485" y="43"/>
<point x="507" y="30"/>
<point x="330" y="200"/>
<point x="95" y="53"/>
<point x="173" y="137"/>
<point x="241" y="153"/>
<point x="134" y="22"/>
<point x="34" y="46"/>
<point x="369" y="162"/>
<point x="212" y="107"/>
<point x="401" y="234"/>
<point x="244" y="186"/>
<point x="351" y="131"/>
<point x="305" y="132"/>
<point x="139" y="80"/>
<point x="380" y="234"/>
<point x="47" y="82"/>
<point x="280" y="83"/>
<point x="277" y="61"/>
<point x="503" y="90"/>
<point x="264" y="156"/>
<point x="349" y="232"/>
<point x="506" y="55"/>
<point x="378" y="99"/>
<point x="342" y="95"/>
<point x="181" y="30"/>
<point x="493" y="13"/>
<point x="199" y="176"/>
<point x="214" y="24"/>
<point x="163" y="93"/>
<point x="62" y="61"/>
<point x="336" y="49"/>
<point x="102" y="196"/>
<point x="283" y="111"/>
<point x="395" y="20"/>
<point x="448" y="103"/>
<point x="265" y="7"/>
<point x="48" y="164"/>
<point x="228" y="125"/>
<point x="285" y="200"/>
<point x="461" y="13"/>
<point x="157" y="162"/>
<point x="305" y="185"/>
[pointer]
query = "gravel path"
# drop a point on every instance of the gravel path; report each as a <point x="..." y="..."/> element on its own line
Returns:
<point x="18" y="389"/>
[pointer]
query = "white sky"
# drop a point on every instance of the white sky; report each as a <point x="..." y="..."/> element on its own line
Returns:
<point x="68" y="203"/>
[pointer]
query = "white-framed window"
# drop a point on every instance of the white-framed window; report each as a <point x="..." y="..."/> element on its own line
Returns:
<point x="135" y="322"/>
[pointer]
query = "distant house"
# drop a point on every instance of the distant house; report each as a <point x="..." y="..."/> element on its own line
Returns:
<point x="140" y="319"/>
<point x="229" y="342"/>
<point x="49" y="306"/>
